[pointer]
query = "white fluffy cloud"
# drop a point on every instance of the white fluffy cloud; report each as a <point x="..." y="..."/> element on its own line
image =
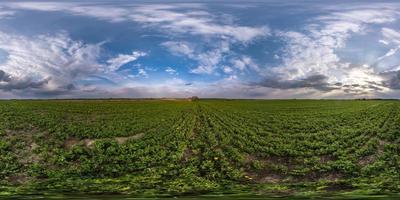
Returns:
<point x="171" y="71"/>
<point x="6" y="13"/>
<point x="170" y="17"/>
<point x="391" y="39"/>
<point x="194" y="19"/>
<point x="142" y="72"/>
<point x="180" y="48"/>
<point x="227" y="69"/>
<point x="208" y="61"/>
<point x="313" y="51"/>
<point x="310" y="60"/>
<point x="212" y="59"/>
<point x="391" y="36"/>
<point x="122" y="59"/>
<point x="109" y="13"/>
<point x="204" y="24"/>
<point x="244" y="62"/>
<point x="54" y="64"/>
<point x="54" y="61"/>
<point x="194" y="22"/>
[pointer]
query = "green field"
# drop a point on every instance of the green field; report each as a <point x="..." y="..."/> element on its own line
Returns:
<point x="182" y="147"/>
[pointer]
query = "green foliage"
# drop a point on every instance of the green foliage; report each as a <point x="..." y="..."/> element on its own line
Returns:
<point x="201" y="146"/>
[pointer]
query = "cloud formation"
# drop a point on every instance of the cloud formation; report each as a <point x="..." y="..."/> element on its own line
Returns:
<point x="122" y="59"/>
<point x="346" y="50"/>
<point x="171" y="71"/>
<point x="170" y="18"/>
<point x="9" y="83"/>
<point x="208" y="61"/>
<point x="318" y="82"/>
<point x="314" y="51"/>
<point x="49" y="62"/>
<point x="175" y="19"/>
<point x="194" y="22"/>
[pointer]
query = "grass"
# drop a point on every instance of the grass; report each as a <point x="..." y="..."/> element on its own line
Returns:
<point x="179" y="147"/>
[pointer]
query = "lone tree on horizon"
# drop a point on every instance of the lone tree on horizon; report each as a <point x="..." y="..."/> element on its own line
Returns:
<point x="194" y="98"/>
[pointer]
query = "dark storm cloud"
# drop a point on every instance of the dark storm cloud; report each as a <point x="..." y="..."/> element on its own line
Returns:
<point x="63" y="90"/>
<point x="318" y="82"/>
<point x="392" y="80"/>
<point x="4" y="77"/>
<point x="8" y="83"/>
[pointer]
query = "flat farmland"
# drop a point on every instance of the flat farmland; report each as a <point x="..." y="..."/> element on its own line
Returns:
<point x="182" y="147"/>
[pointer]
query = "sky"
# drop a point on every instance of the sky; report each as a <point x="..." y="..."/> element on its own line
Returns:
<point x="214" y="49"/>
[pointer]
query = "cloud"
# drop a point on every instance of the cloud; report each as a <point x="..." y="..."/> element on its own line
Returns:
<point x="171" y="71"/>
<point x="227" y="69"/>
<point x="8" y="83"/>
<point x="392" y="79"/>
<point x="208" y="61"/>
<point x="174" y="19"/>
<point x="171" y="18"/>
<point x="197" y="23"/>
<point x="311" y="61"/>
<point x="391" y="52"/>
<point x="104" y="12"/>
<point x="53" y="65"/>
<point x="318" y="82"/>
<point x="122" y="59"/>
<point x="209" y="56"/>
<point x="314" y="51"/>
<point x="390" y="35"/>
<point x="4" y="14"/>
<point x="143" y="73"/>
<point x="358" y="15"/>
<point x="213" y="58"/>
<point x="383" y="42"/>
<point x="226" y="88"/>
<point x="4" y="77"/>
<point x="390" y="38"/>
<point x="48" y="62"/>
<point x="244" y="62"/>
<point x="180" y="48"/>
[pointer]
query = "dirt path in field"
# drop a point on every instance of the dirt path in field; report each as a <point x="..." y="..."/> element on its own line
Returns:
<point x="69" y="143"/>
<point x="122" y="140"/>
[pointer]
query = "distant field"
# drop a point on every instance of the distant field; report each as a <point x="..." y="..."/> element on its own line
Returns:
<point x="174" y="147"/>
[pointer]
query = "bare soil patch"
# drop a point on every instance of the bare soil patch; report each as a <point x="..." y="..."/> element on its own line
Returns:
<point x="70" y="142"/>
